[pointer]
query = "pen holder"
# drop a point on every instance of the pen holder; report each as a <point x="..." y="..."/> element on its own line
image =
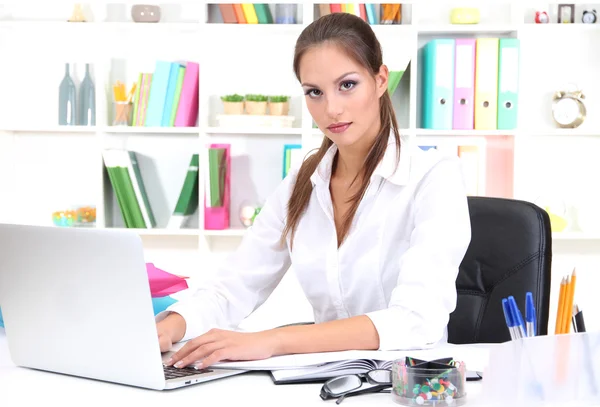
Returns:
<point x="542" y="370"/>
<point x="122" y="114"/>
<point x="421" y="383"/>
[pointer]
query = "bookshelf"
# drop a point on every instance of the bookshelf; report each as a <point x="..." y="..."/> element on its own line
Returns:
<point x="256" y="58"/>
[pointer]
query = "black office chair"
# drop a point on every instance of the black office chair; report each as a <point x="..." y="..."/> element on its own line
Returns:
<point x="510" y="253"/>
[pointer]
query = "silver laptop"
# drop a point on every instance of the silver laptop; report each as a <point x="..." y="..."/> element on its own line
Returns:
<point x="77" y="302"/>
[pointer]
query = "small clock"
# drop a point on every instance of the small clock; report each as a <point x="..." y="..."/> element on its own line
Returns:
<point x="568" y="108"/>
<point x="541" y="17"/>
<point x="589" y="17"/>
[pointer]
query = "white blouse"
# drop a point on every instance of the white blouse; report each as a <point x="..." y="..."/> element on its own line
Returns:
<point x="398" y="264"/>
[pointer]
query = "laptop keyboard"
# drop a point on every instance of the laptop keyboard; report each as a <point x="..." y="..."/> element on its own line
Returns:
<point x="175" y="373"/>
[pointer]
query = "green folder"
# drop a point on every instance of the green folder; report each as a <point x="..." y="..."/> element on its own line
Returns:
<point x="216" y="165"/>
<point x="394" y="81"/>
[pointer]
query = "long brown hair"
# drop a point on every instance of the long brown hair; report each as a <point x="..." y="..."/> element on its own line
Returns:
<point x="356" y="38"/>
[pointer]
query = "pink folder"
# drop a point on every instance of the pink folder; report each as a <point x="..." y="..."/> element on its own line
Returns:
<point x="163" y="283"/>
<point x="187" y="110"/>
<point x="217" y="218"/>
<point x="464" y="84"/>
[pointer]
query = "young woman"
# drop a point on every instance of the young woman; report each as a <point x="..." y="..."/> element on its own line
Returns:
<point x="374" y="230"/>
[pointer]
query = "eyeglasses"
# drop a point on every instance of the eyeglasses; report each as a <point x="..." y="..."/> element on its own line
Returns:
<point x="348" y="385"/>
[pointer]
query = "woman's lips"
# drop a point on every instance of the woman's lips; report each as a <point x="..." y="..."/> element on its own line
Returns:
<point x="338" y="127"/>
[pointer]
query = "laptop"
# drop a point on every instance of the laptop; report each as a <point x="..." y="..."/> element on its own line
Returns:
<point x="77" y="301"/>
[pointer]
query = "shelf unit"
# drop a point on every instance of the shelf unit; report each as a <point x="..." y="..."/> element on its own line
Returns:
<point x="250" y="44"/>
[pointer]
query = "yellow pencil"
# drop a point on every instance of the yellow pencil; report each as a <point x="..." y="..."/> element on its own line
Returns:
<point x="561" y="305"/>
<point x="568" y="309"/>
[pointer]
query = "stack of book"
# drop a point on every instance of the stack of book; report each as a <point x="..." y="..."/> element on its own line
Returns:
<point x="167" y="97"/>
<point x="246" y="13"/>
<point x="371" y="13"/>
<point x="128" y="185"/>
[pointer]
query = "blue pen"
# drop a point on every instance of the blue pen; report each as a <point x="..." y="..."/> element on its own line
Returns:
<point x="530" y="315"/>
<point x="517" y="317"/>
<point x="508" y="316"/>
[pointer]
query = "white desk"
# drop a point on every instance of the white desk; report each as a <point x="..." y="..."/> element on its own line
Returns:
<point x="21" y="386"/>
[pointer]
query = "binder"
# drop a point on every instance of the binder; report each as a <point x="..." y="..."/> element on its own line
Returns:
<point x="486" y="83"/>
<point x="158" y="94"/>
<point x="464" y="82"/>
<point x="438" y="84"/>
<point x="508" y="83"/>
<point x="187" y="109"/>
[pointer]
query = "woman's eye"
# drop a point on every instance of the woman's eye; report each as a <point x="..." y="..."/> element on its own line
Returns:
<point x="313" y="93"/>
<point x="347" y="85"/>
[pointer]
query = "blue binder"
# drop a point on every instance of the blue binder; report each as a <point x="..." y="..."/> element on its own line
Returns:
<point x="438" y="84"/>
<point x="158" y="94"/>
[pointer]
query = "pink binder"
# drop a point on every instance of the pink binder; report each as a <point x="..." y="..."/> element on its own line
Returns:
<point x="187" y="110"/>
<point x="217" y="218"/>
<point x="464" y="84"/>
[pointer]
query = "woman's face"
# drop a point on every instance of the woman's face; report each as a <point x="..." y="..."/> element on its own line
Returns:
<point x="342" y="96"/>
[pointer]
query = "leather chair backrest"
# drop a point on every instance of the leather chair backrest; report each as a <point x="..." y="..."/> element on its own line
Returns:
<point x="510" y="254"/>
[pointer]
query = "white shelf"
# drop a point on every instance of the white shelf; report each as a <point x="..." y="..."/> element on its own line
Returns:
<point x="578" y="132"/>
<point x="440" y="29"/>
<point x="161" y="231"/>
<point x="292" y="131"/>
<point x="233" y="232"/>
<point x="51" y="129"/>
<point x="98" y="25"/>
<point x="556" y="28"/>
<point x="463" y="133"/>
<point x="231" y="30"/>
<point x="575" y="236"/>
<point x="150" y="130"/>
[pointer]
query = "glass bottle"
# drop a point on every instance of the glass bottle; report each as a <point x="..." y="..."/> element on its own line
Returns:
<point x="87" y="100"/>
<point x="66" y="100"/>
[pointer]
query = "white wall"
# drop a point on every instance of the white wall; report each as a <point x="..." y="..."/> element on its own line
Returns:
<point x="41" y="171"/>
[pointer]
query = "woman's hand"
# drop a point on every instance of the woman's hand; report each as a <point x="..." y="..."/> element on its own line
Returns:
<point x="170" y="330"/>
<point x="217" y="345"/>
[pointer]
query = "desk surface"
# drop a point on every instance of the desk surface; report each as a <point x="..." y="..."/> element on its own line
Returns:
<point x="20" y="386"/>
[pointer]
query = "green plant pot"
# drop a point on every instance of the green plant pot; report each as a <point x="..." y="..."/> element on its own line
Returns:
<point x="279" y="108"/>
<point x="256" y="108"/>
<point x="233" y="107"/>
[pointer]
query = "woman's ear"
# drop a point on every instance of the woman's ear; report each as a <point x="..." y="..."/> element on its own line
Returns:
<point x="381" y="80"/>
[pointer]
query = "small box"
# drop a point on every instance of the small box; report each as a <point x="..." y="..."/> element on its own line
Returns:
<point x="429" y="383"/>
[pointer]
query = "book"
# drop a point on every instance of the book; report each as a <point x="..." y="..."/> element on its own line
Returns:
<point x="158" y="94"/>
<point x="172" y="96"/>
<point x="187" y="109"/>
<point x="127" y="183"/>
<point x="394" y="81"/>
<point x="328" y="370"/>
<point x="188" y="198"/>
<point x="139" y="189"/>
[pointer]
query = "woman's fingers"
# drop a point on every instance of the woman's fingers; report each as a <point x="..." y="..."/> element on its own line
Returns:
<point x="192" y="345"/>
<point x="214" y="357"/>
<point x="199" y="354"/>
